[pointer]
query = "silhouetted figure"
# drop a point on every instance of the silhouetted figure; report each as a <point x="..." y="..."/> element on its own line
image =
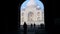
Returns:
<point x="25" y="28"/>
<point x="42" y="26"/>
<point x="34" y="24"/>
<point x="31" y="25"/>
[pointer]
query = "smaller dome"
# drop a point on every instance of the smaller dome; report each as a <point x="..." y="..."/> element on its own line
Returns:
<point x="38" y="8"/>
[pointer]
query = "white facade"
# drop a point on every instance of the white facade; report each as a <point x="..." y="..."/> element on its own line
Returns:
<point x="32" y="14"/>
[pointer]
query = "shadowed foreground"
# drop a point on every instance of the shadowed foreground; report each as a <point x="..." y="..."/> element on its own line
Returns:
<point x="37" y="29"/>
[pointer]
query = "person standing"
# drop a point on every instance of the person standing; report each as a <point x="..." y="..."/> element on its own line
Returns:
<point x="25" y="28"/>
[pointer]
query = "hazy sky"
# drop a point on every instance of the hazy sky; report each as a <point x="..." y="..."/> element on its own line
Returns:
<point x="37" y="2"/>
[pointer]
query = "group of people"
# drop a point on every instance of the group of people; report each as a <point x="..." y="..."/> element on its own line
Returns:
<point x="25" y="26"/>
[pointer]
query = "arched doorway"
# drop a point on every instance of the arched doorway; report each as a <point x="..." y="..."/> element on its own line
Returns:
<point x="30" y="16"/>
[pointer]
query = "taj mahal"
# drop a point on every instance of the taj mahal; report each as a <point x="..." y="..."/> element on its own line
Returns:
<point x="32" y="14"/>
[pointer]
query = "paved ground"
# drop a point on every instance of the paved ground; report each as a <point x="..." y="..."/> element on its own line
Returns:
<point x="33" y="30"/>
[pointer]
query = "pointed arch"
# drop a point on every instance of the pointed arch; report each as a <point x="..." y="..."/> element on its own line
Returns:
<point x="30" y="16"/>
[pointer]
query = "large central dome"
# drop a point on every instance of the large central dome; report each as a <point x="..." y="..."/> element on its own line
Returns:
<point x="31" y="2"/>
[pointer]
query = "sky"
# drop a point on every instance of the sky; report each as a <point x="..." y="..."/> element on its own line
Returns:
<point x="37" y="2"/>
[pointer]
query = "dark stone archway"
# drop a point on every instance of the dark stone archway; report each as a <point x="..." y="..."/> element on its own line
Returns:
<point x="47" y="13"/>
<point x="49" y="16"/>
<point x="19" y="5"/>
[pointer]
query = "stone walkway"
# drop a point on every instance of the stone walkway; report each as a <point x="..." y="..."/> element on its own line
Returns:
<point x="34" y="31"/>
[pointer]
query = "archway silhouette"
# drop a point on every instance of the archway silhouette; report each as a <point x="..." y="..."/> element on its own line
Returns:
<point x="39" y="8"/>
<point x="45" y="3"/>
<point x="45" y="12"/>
